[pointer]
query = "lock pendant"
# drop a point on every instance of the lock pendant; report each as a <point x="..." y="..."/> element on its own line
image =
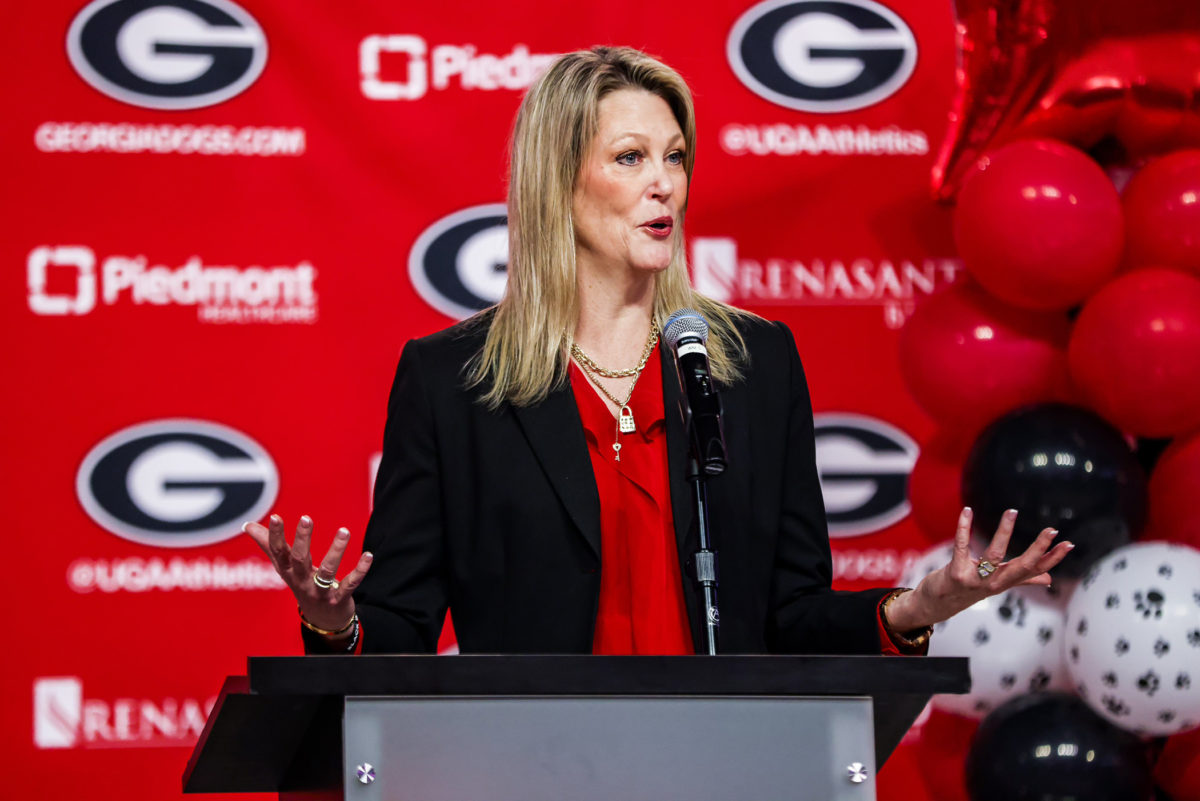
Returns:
<point x="625" y="421"/>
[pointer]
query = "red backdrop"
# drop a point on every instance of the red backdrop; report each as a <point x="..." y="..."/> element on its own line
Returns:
<point x="214" y="216"/>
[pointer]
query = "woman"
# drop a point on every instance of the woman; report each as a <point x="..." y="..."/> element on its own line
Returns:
<point x="532" y="477"/>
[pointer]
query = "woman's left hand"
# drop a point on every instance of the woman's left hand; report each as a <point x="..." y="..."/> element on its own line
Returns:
<point x="950" y="589"/>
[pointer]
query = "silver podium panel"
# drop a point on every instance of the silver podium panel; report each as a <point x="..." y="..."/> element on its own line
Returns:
<point x="609" y="749"/>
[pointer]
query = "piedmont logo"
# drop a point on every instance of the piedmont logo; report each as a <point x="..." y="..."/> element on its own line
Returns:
<point x="441" y="67"/>
<point x="176" y="483"/>
<point x="459" y="265"/>
<point x="167" y="54"/>
<point x="719" y="271"/>
<point x="64" y="718"/>
<point x="822" y="55"/>
<point x="221" y="294"/>
<point x="864" y="465"/>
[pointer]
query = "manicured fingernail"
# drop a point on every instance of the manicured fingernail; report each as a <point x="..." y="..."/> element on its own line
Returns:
<point x="306" y="520"/>
<point x="343" y="532"/>
<point x="276" y="519"/>
<point x="967" y="510"/>
<point x="1053" y="532"/>
<point x="246" y="527"/>
<point x="368" y="555"/>
<point x="1010" y="513"/>
<point x="1070" y="546"/>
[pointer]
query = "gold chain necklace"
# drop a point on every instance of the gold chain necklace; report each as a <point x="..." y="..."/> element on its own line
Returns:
<point x="586" y="361"/>
<point x="625" y="423"/>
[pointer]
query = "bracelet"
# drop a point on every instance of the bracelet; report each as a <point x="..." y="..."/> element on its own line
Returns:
<point x="905" y="639"/>
<point x="328" y="632"/>
<point x="354" y="639"/>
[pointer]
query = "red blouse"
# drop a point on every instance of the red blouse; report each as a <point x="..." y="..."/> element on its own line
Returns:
<point x="641" y="608"/>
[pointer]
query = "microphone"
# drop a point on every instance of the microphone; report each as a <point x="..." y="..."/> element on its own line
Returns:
<point x="685" y="333"/>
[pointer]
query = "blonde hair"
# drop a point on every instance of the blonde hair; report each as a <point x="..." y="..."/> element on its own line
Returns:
<point x="526" y="352"/>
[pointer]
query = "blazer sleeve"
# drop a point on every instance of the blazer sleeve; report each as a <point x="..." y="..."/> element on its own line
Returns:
<point x="807" y="616"/>
<point x="403" y="599"/>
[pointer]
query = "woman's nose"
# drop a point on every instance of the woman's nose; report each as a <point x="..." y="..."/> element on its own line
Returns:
<point x="661" y="185"/>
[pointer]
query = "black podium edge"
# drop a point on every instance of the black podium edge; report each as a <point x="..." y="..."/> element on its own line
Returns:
<point x="607" y="675"/>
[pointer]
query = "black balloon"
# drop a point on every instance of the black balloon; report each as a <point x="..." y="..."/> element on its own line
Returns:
<point x="1052" y="747"/>
<point x="1058" y="466"/>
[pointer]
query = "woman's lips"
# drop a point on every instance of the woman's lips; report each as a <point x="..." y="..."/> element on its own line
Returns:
<point x="660" y="227"/>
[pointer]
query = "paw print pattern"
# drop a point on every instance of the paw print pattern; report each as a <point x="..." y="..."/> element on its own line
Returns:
<point x="1094" y="573"/>
<point x="1122" y="646"/>
<point x="1045" y="634"/>
<point x="1120" y="565"/>
<point x="1081" y="690"/>
<point x="1166" y="716"/>
<point x="1039" y="680"/>
<point x="1114" y="705"/>
<point x="1196" y="597"/>
<point x="1112" y="601"/>
<point x="1183" y="682"/>
<point x="1165" y="571"/>
<point x="1008" y="680"/>
<point x="1074" y="653"/>
<point x="1109" y="679"/>
<point x="1149" y="603"/>
<point x="1012" y="609"/>
<point x="1193" y="638"/>
<point x="1081" y="629"/>
<point x="1148" y="683"/>
<point x="982" y="636"/>
<point x="982" y="706"/>
<point x="1161" y="647"/>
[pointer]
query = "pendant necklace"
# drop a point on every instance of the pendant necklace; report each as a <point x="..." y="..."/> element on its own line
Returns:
<point x="625" y="421"/>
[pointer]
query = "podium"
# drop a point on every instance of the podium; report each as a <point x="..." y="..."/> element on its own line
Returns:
<point x="568" y="728"/>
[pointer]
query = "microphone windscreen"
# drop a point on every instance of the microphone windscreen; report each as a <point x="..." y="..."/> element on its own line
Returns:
<point x="683" y="323"/>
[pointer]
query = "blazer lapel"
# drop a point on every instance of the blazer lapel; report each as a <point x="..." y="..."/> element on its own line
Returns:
<point x="555" y="434"/>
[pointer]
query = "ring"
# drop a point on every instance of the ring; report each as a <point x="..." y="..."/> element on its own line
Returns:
<point x="985" y="569"/>
<point x="324" y="583"/>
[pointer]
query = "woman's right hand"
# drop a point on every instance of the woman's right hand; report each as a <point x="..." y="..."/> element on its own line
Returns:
<point x="328" y="607"/>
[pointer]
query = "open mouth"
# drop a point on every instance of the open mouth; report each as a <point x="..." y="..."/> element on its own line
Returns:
<point x="661" y="226"/>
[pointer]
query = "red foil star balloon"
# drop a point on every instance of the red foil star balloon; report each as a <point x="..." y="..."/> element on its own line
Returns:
<point x="1116" y="78"/>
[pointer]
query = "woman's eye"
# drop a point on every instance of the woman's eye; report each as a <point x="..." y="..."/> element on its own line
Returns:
<point x="631" y="158"/>
<point x="675" y="157"/>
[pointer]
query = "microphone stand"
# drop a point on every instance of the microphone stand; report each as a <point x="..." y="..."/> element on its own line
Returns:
<point x="705" y="560"/>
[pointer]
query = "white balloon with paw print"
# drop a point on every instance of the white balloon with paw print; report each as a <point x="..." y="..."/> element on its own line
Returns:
<point x="1133" y="638"/>
<point x="1014" y="641"/>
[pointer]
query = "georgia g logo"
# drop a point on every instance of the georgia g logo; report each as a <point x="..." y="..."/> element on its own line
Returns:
<point x="864" y="464"/>
<point x="176" y="483"/>
<point x="822" y="55"/>
<point x="167" y="54"/>
<point x="459" y="265"/>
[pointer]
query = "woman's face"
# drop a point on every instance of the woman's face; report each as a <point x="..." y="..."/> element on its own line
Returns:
<point x="632" y="185"/>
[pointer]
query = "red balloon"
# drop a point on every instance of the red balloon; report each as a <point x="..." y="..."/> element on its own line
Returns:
<point x="1174" y="488"/>
<point x="1135" y="352"/>
<point x="1039" y="225"/>
<point x="942" y="748"/>
<point x="967" y="358"/>
<point x="935" y="483"/>
<point x="1162" y="213"/>
<point x="1177" y="771"/>
<point x="1122" y="75"/>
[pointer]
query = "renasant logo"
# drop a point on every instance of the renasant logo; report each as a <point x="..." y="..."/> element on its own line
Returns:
<point x="719" y="271"/>
<point x="221" y="294"/>
<point x="64" y="718"/>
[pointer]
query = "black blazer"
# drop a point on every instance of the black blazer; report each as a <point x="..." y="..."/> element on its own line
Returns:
<point x="496" y="515"/>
